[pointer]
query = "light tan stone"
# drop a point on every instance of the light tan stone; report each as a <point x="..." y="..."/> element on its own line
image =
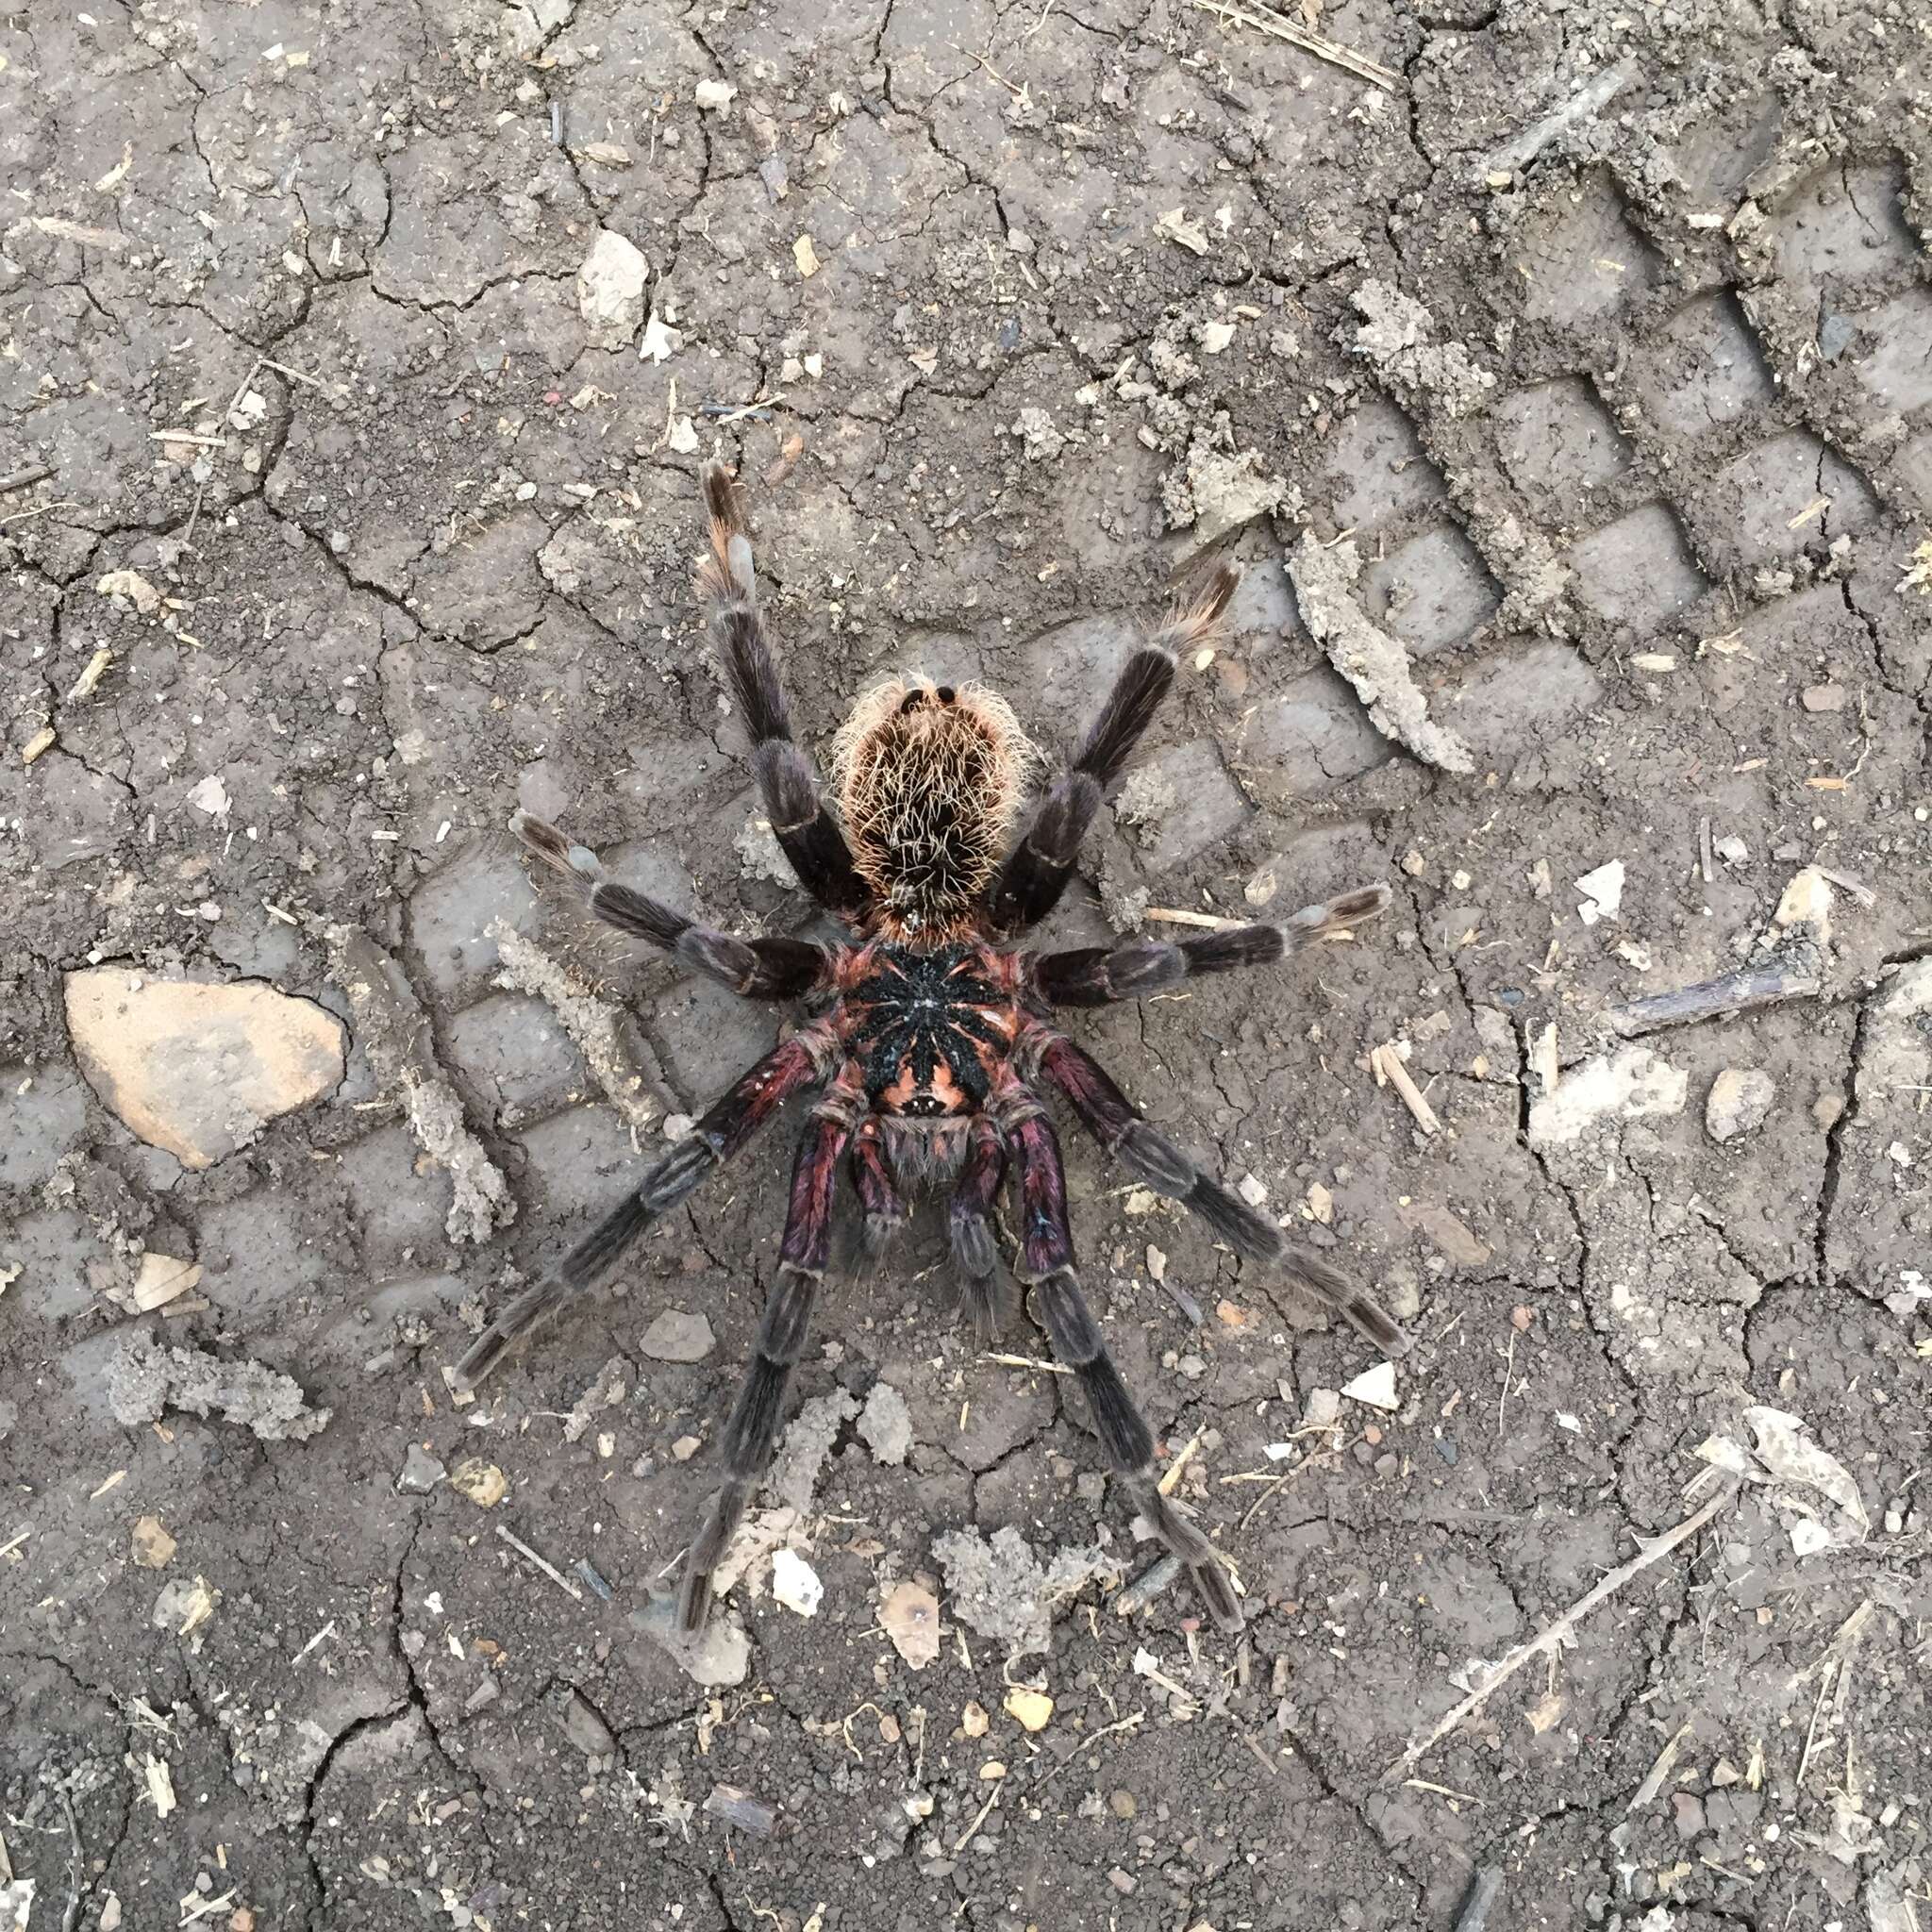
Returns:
<point x="199" y="1068"/>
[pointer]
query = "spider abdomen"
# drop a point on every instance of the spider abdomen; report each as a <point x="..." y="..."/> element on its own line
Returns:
<point x="929" y="780"/>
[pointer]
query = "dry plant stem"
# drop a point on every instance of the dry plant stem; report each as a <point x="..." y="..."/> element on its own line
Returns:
<point x="1792" y="973"/>
<point x="549" y="1569"/>
<point x="1388" y="1063"/>
<point x="1179" y="915"/>
<point x="1265" y="20"/>
<point x="1546" y="1641"/>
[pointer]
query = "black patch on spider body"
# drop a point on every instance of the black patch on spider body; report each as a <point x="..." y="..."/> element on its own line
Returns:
<point x="925" y="1011"/>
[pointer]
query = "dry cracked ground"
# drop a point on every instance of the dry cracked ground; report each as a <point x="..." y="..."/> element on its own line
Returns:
<point x="1562" y="375"/>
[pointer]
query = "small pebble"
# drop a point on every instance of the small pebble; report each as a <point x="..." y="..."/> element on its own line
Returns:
<point x="1123" y="1804"/>
<point x="1739" y="1100"/>
<point x="676" y="1337"/>
<point x="1121" y="1881"/>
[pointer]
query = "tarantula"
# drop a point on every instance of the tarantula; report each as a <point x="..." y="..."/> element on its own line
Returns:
<point x="929" y="1039"/>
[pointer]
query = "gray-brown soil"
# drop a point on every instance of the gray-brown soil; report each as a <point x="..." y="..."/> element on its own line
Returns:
<point x="331" y="533"/>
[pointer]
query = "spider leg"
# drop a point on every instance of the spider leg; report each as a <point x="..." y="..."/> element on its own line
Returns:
<point x="790" y="786"/>
<point x="751" y="1430"/>
<point x="1037" y="870"/>
<point x="878" y="1193"/>
<point x="969" y="1222"/>
<point x="1098" y="976"/>
<point x="774" y="969"/>
<point x="1123" y="1131"/>
<point x="1123" y="1431"/>
<point x="719" y="1132"/>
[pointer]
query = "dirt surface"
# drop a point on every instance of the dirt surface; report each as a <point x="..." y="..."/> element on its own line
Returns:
<point x="338" y="520"/>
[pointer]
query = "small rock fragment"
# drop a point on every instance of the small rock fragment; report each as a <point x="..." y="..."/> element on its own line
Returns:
<point x="421" y="1473"/>
<point x="714" y="96"/>
<point x="796" y="1583"/>
<point x="1030" y="1709"/>
<point x="1806" y="901"/>
<point x="484" y="1484"/>
<point x="685" y="1448"/>
<point x="973" y="1720"/>
<point x="610" y="290"/>
<point x="885" y="1423"/>
<point x="1823" y="697"/>
<point x="676" y="1337"/>
<point x="584" y="1728"/>
<point x="910" y="1616"/>
<point x="1739" y="1100"/>
<point x="1374" y="1387"/>
<point x="153" y="1545"/>
<point x="806" y="256"/>
<point x="1321" y="1408"/>
<point x="1252" y="1190"/>
<point x="199" y="1066"/>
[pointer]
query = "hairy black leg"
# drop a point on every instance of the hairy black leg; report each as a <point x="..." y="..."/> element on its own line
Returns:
<point x="808" y="833"/>
<point x="751" y="1430"/>
<point x="1097" y="975"/>
<point x="1142" y="1150"/>
<point x="1124" y="1436"/>
<point x="776" y="969"/>
<point x="744" y="1106"/>
<point x="1037" y="870"/>
<point x="969" y="1219"/>
<point x="878" y="1193"/>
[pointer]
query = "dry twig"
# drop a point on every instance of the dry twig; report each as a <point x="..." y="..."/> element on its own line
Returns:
<point x="549" y="1569"/>
<point x="1386" y="1063"/>
<point x="1265" y="20"/>
<point x="1553" y="1636"/>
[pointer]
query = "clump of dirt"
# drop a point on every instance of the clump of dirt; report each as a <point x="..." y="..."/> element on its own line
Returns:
<point x="144" y="1382"/>
<point x="999" y="1588"/>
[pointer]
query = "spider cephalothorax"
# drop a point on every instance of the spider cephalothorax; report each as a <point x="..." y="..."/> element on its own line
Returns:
<point x="929" y="1042"/>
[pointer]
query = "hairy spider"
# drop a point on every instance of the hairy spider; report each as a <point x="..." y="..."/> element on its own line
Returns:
<point x="929" y="1041"/>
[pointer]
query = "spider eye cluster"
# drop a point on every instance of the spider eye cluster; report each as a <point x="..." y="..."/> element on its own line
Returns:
<point x="929" y="778"/>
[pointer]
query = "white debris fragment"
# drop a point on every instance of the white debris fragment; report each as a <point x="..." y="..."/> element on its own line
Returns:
<point x="661" y="342"/>
<point x="1374" y="1387"/>
<point x="134" y="586"/>
<point x="1809" y="1536"/>
<point x="211" y="796"/>
<point x="1629" y="1084"/>
<point x="1603" y="892"/>
<point x="796" y="1583"/>
<point x="714" y="96"/>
